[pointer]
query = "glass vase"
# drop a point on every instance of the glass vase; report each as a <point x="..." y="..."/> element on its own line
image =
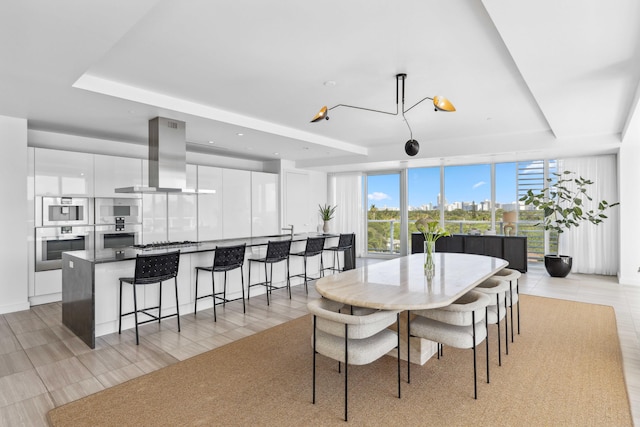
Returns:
<point x="429" y="264"/>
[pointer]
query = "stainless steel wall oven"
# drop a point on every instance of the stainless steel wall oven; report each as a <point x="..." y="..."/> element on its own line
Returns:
<point x="52" y="241"/>
<point x="59" y="211"/>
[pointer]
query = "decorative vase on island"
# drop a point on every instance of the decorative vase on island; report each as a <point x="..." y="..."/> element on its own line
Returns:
<point x="325" y="227"/>
<point x="429" y="265"/>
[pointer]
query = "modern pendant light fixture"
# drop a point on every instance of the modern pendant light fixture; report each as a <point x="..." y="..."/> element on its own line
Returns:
<point x="411" y="147"/>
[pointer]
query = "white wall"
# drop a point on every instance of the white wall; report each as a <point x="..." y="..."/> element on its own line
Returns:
<point x="628" y="161"/>
<point x="14" y="193"/>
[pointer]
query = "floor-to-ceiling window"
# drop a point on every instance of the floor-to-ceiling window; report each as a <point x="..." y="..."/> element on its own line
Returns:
<point x="423" y="195"/>
<point x="467" y="198"/>
<point x="383" y="213"/>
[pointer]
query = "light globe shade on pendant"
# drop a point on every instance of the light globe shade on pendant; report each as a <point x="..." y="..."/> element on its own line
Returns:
<point x="443" y="104"/>
<point x="411" y="147"/>
<point x="322" y="114"/>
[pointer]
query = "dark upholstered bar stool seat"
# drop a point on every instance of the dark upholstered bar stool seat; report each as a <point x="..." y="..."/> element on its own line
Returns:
<point x="225" y="259"/>
<point x="151" y="269"/>
<point x="345" y="243"/>
<point x="314" y="247"/>
<point x="276" y="252"/>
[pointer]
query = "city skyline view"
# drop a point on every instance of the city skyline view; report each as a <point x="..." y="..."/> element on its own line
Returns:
<point x="463" y="184"/>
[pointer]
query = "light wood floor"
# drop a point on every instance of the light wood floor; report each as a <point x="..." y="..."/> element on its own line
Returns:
<point x="43" y="365"/>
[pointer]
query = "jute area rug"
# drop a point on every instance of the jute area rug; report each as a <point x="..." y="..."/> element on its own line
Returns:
<point x="565" y="369"/>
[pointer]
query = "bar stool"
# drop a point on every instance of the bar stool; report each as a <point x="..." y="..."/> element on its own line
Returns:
<point x="276" y="252"/>
<point x="510" y="275"/>
<point x="314" y="247"/>
<point x="225" y="259"/>
<point x="345" y="243"/>
<point x="151" y="269"/>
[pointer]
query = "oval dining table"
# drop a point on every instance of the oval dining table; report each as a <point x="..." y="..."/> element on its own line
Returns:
<point x="401" y="284"/>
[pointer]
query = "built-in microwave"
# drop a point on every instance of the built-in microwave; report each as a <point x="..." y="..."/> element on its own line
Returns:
<point x="110" y="210"/>
<point x="51" y="242"/>
<point x="117" y="236"/>
<point x="58" y="211"/>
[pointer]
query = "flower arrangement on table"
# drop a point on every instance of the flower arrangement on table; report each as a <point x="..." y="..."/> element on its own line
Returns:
<point x="432" y="231"/>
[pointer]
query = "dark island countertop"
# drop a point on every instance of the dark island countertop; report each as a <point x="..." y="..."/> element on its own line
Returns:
<point x="124" y="254"/>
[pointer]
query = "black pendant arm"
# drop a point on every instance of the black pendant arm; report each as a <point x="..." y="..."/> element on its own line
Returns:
<point x="423" y="99"/>
<point x="365" y="109"/>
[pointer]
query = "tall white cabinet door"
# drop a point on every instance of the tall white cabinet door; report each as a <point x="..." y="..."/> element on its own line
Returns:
<point x="183" y="217"/>
<point x="116" y="172"/>
<point x="209" y="203"/>
<point x="296" y="201"/>
<point x="154" y="218"/>
<point x="265" y="220"/>
<point x="236" y="203"/>
<point x="63" y="173"/>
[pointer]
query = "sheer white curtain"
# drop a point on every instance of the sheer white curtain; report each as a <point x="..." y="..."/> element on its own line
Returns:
<point x="594" y="248"/>
<point x="345" y="192"/>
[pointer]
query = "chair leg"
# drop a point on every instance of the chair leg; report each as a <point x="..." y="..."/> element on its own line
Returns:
<point x="346" y="368"/>
<point x="249" y="282"/>
<point x="475" y="375"/>
<point x="195" y="306"/>
<point x="224" y="291"/>
<point x="305" y="275"/>
<point x="159" y="301"/>
<point x="244" y="307"/>
<point x="506" y="326"/>
<point x="177" y="304"/>
<point x="518" y="293"/>
<point x="120" y="318"/>
<point x="288" y="279"/>
<point x="266" y="281"/>
<point x="511" y="306"/>
<point x="408" y="346"/>
<point x="135" y="313"/>
<point x="498" y="324"/>
<point x="398" y="328"/>
<point x="313" y="398"/>
<point x="213" y="291"/>
<point x="486" y="328"/>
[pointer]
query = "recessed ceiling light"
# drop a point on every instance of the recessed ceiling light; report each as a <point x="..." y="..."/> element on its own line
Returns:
<point x="276" y="154"/>
<point x="329" y="83"/>
<point x="211" y="142"/>
<point x="240" y="134"/>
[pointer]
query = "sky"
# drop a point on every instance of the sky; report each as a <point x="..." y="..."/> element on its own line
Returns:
<point x="462" y="184"/>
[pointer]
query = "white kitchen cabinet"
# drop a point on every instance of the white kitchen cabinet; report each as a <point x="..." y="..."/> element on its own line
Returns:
<point x="236" y="203"/>
<point x="265" y="219"/>
<point x="60" y="172"/>
<point x="113" y="172"/>
<point x="209" y="203"/>
<point x="296" y="202"/>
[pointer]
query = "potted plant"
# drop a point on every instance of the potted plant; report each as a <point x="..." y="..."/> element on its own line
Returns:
<point x="563" y="208"/>
<point x="327" y="212"/>
<point x="431" y="231"/>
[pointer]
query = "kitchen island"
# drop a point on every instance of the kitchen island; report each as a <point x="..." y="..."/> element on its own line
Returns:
<point x="90" y="280"/>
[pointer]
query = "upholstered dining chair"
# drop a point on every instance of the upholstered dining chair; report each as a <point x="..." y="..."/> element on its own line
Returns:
<point x="513" y="296"/>
<point x="351" y="339"/>
<point x="497" y="290"/>
<point x="461" y="324"/>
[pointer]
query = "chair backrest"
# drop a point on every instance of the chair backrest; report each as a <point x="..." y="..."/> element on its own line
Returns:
<point x="459" y="312"/>
<point x="152" y="268"/>
<point x="345" y="241"/>
<point x="331" y="321"/>
<point x="229" y="256"/>
<point x="315" y="245"/>
<point x="278" y="251"/>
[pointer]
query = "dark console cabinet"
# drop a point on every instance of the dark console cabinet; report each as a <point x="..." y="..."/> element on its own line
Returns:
<point x="512" y="249"/>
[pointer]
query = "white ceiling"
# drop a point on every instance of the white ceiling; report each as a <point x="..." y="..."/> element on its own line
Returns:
<point x="529" y="79"/>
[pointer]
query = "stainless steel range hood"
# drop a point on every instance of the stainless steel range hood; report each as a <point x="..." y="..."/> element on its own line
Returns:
<point x="167" y="159"/>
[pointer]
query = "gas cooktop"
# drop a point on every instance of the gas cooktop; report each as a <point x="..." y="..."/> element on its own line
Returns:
<point x="165" y="245"/>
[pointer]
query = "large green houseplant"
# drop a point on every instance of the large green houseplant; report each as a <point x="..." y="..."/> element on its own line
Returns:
<point x="563" y="206"/>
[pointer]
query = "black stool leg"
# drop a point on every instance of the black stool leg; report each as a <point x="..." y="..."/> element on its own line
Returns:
<point x="249" y="283"/>
<point x="195" y="307"/>
<point x="305" y="275"/>
<point x="244" y="308"/>
<point x="135" y="312"/>
<point x="159" y="301"/>
<point x="120" y="318"/>
<point x="266" y="281"/>
<point x="213" y="291"/>
<point x="224" y="291"/>
<point x="177" y="304"/>
<point x="288" y="279"/>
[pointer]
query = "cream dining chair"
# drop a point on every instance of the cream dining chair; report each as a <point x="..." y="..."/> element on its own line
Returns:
<point x="497" y="290"/>
<point x="351" y="339"/>
<point x="513" y="296"/>
<point x="458" y="325"/>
